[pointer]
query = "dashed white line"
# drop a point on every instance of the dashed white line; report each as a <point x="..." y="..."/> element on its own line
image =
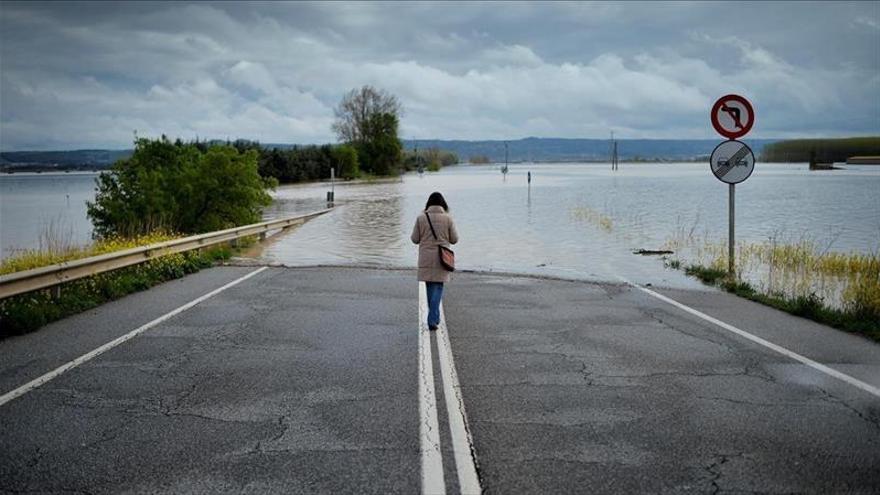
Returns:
<point x="429" y="431"/>
<point x="758" y="340"/>
<point x="27" y="387"/>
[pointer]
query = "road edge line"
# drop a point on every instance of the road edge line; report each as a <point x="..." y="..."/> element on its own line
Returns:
<point x="855" y="382"/>
<point x="429" y="428"/>
<point x="36" y="382"/>
<point x="462" y="442"/>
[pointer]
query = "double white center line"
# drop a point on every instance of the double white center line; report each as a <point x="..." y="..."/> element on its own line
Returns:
<point x="431" y="453"/>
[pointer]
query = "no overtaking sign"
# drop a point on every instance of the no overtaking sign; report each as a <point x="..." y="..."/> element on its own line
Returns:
<point x="732" y="162"/>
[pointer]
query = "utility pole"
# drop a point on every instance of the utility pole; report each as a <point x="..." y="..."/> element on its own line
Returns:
<point x="614" y="164"/>
<point x="504" y="170"/>
<point x="616" y="159"/>
<point x="611" y="150"/>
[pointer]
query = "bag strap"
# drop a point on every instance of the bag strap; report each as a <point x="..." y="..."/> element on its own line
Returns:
<point x="431" y="225"/>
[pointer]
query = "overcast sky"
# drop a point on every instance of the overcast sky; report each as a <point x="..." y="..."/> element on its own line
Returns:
<point x="81" y="75"/>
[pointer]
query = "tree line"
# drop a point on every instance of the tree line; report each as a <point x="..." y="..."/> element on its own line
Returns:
<point x="820" y="150"/>
<point x="367" y="121"/>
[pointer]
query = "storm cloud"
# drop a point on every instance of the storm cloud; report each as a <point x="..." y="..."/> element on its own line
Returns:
<point x="80" y="75"/>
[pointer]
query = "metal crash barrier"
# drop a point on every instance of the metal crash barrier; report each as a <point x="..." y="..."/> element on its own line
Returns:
<point x="54" y="275"/>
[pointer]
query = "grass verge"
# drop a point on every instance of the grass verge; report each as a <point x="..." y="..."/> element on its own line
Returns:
<point x="860" y="314"/>
<point x="27" y="312"/>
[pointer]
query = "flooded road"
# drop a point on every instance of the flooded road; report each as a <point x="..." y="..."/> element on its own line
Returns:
<point x="580" y="220"/>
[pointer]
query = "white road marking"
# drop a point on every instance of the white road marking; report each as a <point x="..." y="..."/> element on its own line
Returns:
<point x="27" y="387"/>
<point x="758" y="340"/>
<point x="429" y="431"/>
<point x="468" y="481"/>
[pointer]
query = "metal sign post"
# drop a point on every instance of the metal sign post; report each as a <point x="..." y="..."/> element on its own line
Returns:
<point x="331" y="195"/>
<point x="730" y="229"/>
<point x="732" y="161"/>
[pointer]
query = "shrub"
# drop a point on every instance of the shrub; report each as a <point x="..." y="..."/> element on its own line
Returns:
<point x="178" y="187"/>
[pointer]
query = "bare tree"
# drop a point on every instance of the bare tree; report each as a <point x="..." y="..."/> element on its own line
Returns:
<point x="357" y="108"/>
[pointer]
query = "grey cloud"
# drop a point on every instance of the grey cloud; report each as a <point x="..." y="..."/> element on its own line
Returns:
<point x="82" y="75"/>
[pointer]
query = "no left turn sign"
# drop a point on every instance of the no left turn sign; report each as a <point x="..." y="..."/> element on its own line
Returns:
<point x="732" y="116"/>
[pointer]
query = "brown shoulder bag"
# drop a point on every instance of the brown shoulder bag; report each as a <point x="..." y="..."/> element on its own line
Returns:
<point x="447" y="256"/>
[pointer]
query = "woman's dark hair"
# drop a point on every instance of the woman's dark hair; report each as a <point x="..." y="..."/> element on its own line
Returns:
<point x="436" y="199"/>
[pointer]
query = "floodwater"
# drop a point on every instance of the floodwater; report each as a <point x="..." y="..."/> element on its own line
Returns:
<point x="575" y="220"/>
<point x="35" y="208"/>
<point x="581" y="220"/>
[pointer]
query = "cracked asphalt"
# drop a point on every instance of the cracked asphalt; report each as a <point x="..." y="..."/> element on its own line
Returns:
<point x="306" y="381"/>
<point x="589" y="388"/>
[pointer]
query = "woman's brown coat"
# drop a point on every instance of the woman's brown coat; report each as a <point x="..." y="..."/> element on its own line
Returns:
<point x="430" y="269"/>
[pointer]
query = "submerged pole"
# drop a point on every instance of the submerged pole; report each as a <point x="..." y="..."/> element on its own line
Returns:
<point x="331" y="194"/>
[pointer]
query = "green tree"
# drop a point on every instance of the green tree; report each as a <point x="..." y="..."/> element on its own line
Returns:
<point x="380" y="152"/>
<point x="357" y="108"/>
<point x="178" y="187"/>
<point x="367" y="119"/>
<point x="345" y="159"/>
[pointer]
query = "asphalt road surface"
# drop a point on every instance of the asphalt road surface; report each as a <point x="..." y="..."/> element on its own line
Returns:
<point x="323" y="380"/>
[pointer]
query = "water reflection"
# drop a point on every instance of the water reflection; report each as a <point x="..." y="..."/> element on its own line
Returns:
<point x="364" y="228"/>
<point x="370" y="231"/>
<point x="529" y="205"/>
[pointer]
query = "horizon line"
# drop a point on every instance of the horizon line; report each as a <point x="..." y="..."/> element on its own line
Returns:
<point x="22" y="150"/>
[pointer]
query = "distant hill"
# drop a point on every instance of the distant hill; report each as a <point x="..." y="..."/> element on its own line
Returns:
<point x="520" y="150"/>
<point x="63" y="160"/>
<point x="569" y="150"/>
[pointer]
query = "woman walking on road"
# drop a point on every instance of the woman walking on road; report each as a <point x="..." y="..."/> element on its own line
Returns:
<point x="433" y="228"/>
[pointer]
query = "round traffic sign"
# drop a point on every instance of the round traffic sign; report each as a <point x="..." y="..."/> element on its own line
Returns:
<point x="732" y="162"/>
<point x="732" y="116"/>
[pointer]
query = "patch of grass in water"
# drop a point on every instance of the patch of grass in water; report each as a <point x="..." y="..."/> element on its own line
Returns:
<point x="594" y="217"/>
<point x="707" y="274"/>
<point x="672" y="263"/>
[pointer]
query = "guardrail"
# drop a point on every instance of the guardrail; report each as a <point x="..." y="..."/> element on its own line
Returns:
<point x="54" y="275"/>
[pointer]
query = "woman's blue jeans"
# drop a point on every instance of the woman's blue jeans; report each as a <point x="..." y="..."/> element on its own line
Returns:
<point x="435" y="294"/>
